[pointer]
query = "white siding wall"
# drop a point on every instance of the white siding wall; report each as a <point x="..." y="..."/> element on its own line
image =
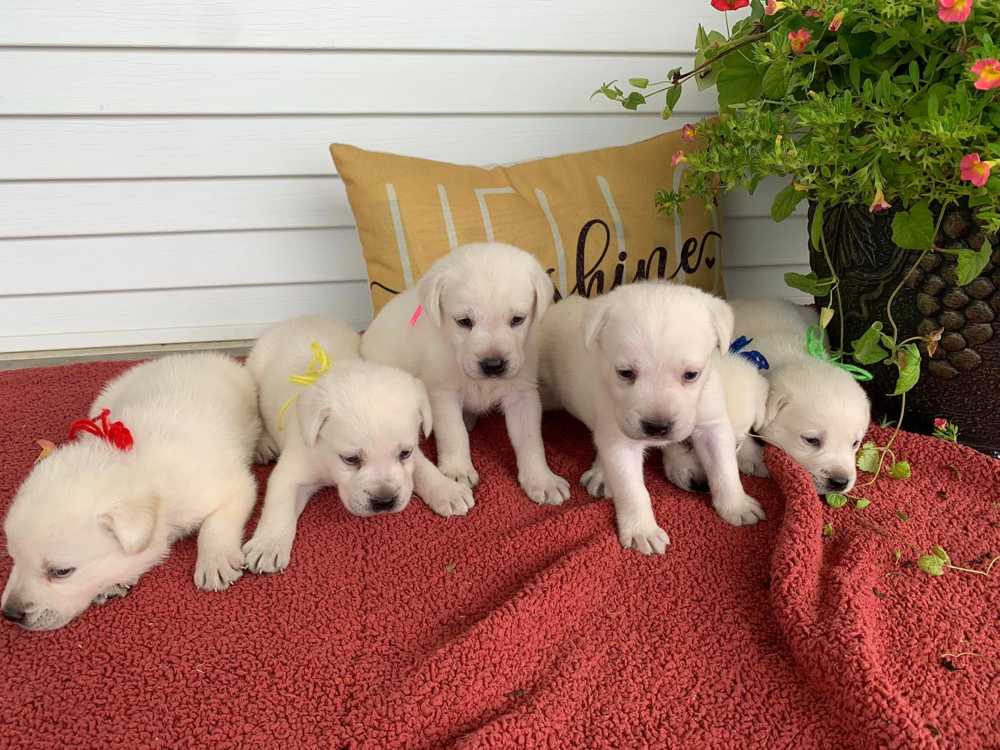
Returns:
<point x="164" y="173"/>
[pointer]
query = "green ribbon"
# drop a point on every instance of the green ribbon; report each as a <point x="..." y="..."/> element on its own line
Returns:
<point x="816" y="346"/>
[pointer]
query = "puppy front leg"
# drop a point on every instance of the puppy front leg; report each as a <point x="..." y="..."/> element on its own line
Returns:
<point x="220" y="557"/>
<point x="716" y="447"/>
<point x="622" y="462"/>
<point x="443" y="495"/>
<point x="454" y="455"/>
<point x="291" y="485"/>
<point x="523" y="413"/>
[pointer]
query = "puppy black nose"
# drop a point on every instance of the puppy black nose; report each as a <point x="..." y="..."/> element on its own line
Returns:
<point x="12" y="615"/>
<point x="493" y="367"/>
<point x="657" y="429"/>
<point x="699" y="485"/>
<point x="384" y="503"/>
<point x="838" y="483"/>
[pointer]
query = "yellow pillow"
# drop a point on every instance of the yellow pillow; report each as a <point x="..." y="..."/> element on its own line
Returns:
<point x="588" y="217"/>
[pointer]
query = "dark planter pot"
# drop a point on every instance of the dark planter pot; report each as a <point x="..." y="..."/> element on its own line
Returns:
<point x="962" y="381"/>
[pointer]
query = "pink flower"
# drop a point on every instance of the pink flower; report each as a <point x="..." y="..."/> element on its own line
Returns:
<point x="880" y="203"/>
<point x="773" y="6"/>
<point x="799" y="39"/>
<point x="677" y="158"/>
<point x="814" y="13"/>
<point x="837" y="21"/>
<point x="989" y="74"/>
<point x="730" y="4"/>
<point x="954" y="11"/>
<point x="940" y="424"/>
<point x="688" y="132"/>
<point x="975" y="171"/>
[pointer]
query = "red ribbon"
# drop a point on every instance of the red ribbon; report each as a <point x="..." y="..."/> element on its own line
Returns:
<point x="115" y="432"/>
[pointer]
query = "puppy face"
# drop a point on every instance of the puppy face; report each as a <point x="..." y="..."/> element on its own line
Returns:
<point x="486" y="299"/>
<point x="78" y="526"/>
<point x="364" y="421"/>
<point x="818" y="415"/>
<point x="655" y="342"/>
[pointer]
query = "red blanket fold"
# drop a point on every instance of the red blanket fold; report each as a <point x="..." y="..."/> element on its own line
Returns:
<point x="528" y="626"/>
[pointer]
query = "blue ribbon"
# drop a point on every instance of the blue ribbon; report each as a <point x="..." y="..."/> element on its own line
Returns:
<point x="754" y="357"/>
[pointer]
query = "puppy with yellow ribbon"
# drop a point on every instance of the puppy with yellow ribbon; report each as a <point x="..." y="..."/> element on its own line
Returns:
<point x="333" y="420"/>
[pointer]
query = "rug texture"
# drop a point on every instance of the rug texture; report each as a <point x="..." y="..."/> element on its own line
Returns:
<point x="528" y="626"/>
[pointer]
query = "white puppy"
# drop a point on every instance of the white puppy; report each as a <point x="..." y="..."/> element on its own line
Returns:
<point x="475" y="347"/>
<point x="357" y="428"/>
<point x="746" y="403"/>
<point x="639" y="366"/>
<point x="92" y="518"/>
<point x="816" y="412"/>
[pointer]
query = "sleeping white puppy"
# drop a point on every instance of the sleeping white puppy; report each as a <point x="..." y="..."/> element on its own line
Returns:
<point x="357" y="428"/>
<point x="746" y="403"/>
<point x="816" y="412"/>
<point x="639" y="366"/>
<point x="91" y="518"/>
<point x="474" y="344"/>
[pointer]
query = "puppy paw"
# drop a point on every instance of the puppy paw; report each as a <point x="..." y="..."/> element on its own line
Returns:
<point x="593" y="480"/>
<point x="217" y="571"/>
<point x="268" y="553"/>
<point x="545" y="488"/>
<point x="115" y="592"/>
<point x="461" y="471"/>
<point x="451" y="498"/>
<point x="267" y="450"/>
<point x="744" y="512"/>
<point x="649" y="540"/>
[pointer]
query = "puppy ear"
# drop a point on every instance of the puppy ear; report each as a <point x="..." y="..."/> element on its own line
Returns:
<point x="424" y="404"/>
<point x="544" y="291"/>
<point x="775" y="403"/>
<point x="429" y="291"/>
<point x="594" y="320"/>
<point x="132" y="522"/>
<point x="313" y="412"/>
<point x="723" y="321"/>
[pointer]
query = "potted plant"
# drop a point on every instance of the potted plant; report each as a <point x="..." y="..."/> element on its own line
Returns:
<point x="884" y="115"/>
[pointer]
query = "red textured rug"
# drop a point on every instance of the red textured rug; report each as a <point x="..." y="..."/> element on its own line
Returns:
<point x="528" y="626"/>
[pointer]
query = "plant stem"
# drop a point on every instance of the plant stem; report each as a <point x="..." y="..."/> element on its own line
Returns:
<point x="884" y="533"/>
<point x="836" y="282"/>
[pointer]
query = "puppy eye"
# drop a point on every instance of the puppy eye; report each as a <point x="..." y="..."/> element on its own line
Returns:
<point x="403" y="455"/>
<point x="811" y="440"/>
<point x="516" y="321"/>
<point x="857" y="443"/>
<point x="464" y="322"/>
<point x="351" y="460"/>
<point x="625" y="374"/>
<point x="60" y="572"/>
<point x="691" y="375"/>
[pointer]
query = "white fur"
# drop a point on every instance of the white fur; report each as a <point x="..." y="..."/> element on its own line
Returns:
<point x="658" y="332"/>
<point x="808" y="398"/>
<point x="357" y="410"/>
<point x="490" y="285"/>
<point x="746" y="402"/>
<point x="112" y="515"/>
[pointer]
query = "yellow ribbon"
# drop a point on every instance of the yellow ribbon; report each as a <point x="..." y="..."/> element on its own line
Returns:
<point x="320" y="364"/>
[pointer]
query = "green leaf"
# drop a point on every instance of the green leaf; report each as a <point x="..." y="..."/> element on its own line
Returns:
<point x="909" y="368"/>
<point x="701" y="38"/>
<point x="900" y="470"/>
<point x="825" y="316"/>
<point x="634" y="100"/>
<point x="828" y="531"/>
<point x="932" y="106"/>
<point x="902" y="515"/>
<point x="938" y="552"/>
<point x="639" y="83"/>
<point x="897" y="554"/>
<point x="932" y="565"/>
<point x="785" y="202"/>
<point x="866" y="349"/>
<point x="808" y="284"/>
<point x="868" y="458"/>
<point x="971" y="263"/>
<point x="776" y="81"/>
<point x="914" y="229"/>
<point x="855" y="71"/>
<point x="862" y="503"/>
<point x="914" y="72"/>
<point x="665" y="114"/>
<point x="816" y="227"/>
<point x="673" y="95"/>
<point x="836" y="500"/>
<point x="739" y="81"/>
